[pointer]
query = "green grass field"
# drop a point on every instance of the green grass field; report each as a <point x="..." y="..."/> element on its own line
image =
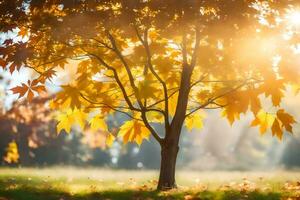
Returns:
<point x="63" y="183"/>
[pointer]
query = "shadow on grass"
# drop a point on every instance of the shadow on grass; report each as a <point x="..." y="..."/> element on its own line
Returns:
<point x="30" y="194"/>
<point x="21" y="190"/>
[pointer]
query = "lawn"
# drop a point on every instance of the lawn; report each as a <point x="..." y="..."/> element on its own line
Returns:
<point x="64" y="183"/>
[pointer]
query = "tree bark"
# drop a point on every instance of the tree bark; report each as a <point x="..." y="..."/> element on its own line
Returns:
<point x="169" y="146"/>
<point x="169" y="151"/>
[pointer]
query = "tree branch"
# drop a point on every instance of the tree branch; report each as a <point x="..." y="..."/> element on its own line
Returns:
<point x="125" y="95"/>
<point x="212" y="100"/>
<point x="149" y="64"/>
<point x="103" y="105"/>
<point x="136" y="92"/>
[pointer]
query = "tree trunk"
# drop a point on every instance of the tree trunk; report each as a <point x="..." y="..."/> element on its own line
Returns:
<point x="167" y="166"/>
<point x="169" y="146"/>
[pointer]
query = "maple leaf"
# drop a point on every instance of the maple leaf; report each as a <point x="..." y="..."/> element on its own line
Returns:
<point x="30" y="95"/>
<point x="69" y="96"/>
<point x="134" y="131"/>
<point x="286" y="119"/>
<point x="276" y="129"/>
<point x="236" y="104"/>
<point x="65" y="122"/>
<point x="264" y="120"/>
<point x="273" y="87"/>
<point x="39" y="88"/>
<point x="35" y="87"/>
<point x="80" y="117"/>
<point x="98" y="123"/>
<point x="47" y="75"/>
<point x="147" y="89"/>
<point x="29" y="88"/>
<point x="67" y="119"/>
<point x="194" y="121"/>
<point x="110" y="138"/>
<point x="21" y="90"/>
<point x="154" y="116"/>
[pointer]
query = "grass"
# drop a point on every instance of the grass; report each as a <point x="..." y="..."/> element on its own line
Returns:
<point x="65" y="183"/>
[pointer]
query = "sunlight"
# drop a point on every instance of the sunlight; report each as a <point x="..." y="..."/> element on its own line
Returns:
<point x="293" y="17"/>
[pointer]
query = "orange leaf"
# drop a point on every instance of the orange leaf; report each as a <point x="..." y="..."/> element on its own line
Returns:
<point x="39" y="89"/>
<point x="286" y="119"/>
<point x="30" y="95"/>
<point x="21" y="90"/>
<point x="276" y="130"/>
<point x="3" y="63"/>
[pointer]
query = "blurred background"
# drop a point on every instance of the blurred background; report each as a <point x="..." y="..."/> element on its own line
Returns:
<point x="28" y="138"/>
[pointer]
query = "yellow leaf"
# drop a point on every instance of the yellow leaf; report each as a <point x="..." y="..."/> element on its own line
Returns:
<point x="194" y="121"/>
<point x="154" y="116"/>
<point x="110" y="139"/>
<point x="273" y="87"/>
<point x="230" y="114"/>
<point x="264" y="120"/>
<point x="134" y="131"/>
<point x="80" y="117"/>
<point x="67" y="119"/>
<point x="98" y="123"/>
<point x="147" y="89"/>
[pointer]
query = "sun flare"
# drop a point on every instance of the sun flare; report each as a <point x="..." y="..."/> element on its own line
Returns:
<point x="293" y="17"/>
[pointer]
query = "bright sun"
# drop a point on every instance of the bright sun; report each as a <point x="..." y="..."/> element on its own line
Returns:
<point x="293" y="17"/>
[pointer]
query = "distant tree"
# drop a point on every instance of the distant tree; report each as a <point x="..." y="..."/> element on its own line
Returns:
<point x="23" y="124"/>
<point x="157" y="62"/>
<point x="28" y="138"/>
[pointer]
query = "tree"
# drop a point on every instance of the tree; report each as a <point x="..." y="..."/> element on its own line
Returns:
<point x="157" y="62"/>
<point x="24" y="128"/>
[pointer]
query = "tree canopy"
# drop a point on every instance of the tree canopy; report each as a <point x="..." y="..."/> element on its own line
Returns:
<point x="156" y="61"/>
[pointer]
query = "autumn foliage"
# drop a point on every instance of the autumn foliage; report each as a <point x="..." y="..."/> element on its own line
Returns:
<point x="156" y="62"/>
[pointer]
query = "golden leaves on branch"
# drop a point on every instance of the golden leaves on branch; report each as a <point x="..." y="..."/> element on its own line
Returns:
<point x="71" y="117"/>
<point x="284" y="121"/>
<point x="273" y="88"/>
<point x="155" y="117"/>
<point x="279" y="122"/>
<point x="147" y="89"/>
<point x="98" y="123"/>
<point x="264" y="120"/>
<point x="68" y="97"/>
<point x="134" y="131"/>
<point x="240" y="102"/>
<point x="195" y="121"/>
<point x="67" y="119"/>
